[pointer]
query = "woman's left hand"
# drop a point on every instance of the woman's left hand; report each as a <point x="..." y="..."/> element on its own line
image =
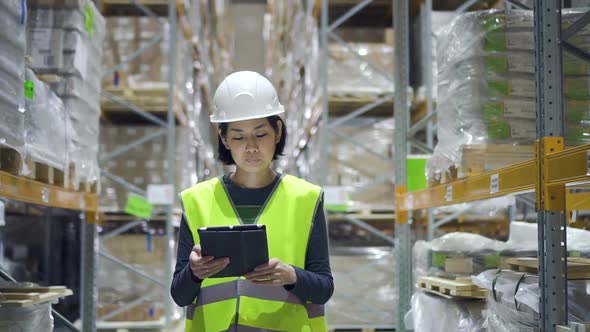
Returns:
<point x="273" y="273"/>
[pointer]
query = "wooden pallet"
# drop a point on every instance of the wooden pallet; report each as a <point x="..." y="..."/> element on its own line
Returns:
<point x="26" y="297"/>
<point x="458" y="288"/>
<point x="151" y="100"/>
<point x="13" y="162"/>
<point x="577" y="267"/>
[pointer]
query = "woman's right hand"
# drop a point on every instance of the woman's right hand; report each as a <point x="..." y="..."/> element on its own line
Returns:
<point x="205" y="267"/>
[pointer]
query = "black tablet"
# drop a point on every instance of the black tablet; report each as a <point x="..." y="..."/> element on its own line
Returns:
<point x="244" y="245"/>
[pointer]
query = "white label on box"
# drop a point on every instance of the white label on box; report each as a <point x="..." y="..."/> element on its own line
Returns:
<point x="524" y="109"/>
<point x="449" y="195"/>
<point x="41" y="39"/>
<point x="495" y="184"/>
<point x="523" y="129"/>
<point x="520" y="40"/>
<point x="334" y="195"/>
<point x="520" y="63"/>
<point x="410" y="202"/>
<point x="131" y="163"/>
<point x="161" y="194"/>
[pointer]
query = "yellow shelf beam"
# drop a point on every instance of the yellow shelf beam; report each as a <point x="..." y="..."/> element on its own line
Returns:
<point x="562" y="167"/>
<point x="515" y="178"/>
<point x="568" y="166"/>
<point x="30" y="191"/>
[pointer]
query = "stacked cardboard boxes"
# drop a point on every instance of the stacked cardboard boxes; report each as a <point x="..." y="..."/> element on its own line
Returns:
<point x="65" y="39"/>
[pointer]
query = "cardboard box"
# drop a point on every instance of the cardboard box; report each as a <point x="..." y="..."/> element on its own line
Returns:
<point x="45" y="46"/>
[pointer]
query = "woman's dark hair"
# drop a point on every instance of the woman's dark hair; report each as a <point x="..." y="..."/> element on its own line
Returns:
<point x="225" y="155"/>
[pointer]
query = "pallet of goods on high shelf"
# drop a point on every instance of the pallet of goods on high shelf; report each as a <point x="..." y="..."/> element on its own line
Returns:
<point x="27" y="307"/>
<point x="143" y="81"/>
<point x="61" y="37"/>
<point x="145" y="164"/>
<point x="488" y="57"/>
<point x="12" y="77"/>
<point x="45" y="133"/>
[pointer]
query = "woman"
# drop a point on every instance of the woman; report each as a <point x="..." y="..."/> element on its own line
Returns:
<point x="287" y="293"/>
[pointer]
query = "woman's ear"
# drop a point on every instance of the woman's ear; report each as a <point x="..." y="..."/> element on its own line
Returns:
<point x="223" y="140"/>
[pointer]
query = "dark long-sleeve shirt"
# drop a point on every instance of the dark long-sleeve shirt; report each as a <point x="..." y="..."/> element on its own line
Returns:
<point x="314" y="282"/>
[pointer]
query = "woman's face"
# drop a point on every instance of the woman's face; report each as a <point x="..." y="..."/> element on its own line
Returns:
<point x="252" y="143"/>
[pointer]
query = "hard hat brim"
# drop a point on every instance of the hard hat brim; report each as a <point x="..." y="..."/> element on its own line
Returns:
<point x="213" y="119"/>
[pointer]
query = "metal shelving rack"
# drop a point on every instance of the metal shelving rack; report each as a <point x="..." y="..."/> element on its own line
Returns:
<point x="548" y="174"/>
<point x="404" y="132"/>
<point x="167" y="127"/>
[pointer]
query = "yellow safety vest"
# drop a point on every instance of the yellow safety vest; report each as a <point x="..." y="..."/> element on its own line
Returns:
<point x="236" y="304"/>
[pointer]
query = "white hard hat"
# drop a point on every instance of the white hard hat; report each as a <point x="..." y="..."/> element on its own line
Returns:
<point x="245" y="95"/>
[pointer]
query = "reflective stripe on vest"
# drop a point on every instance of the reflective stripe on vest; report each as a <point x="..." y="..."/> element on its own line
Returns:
<point x="228" y="302"/>
<point x="230" y="290"/>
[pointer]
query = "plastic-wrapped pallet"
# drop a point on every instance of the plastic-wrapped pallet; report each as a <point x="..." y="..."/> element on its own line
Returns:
<point x="12" y="74"/>
<point x="45" y="126"/>
<point x="35" y="318"/>
<point x="432" y="313"/>
<point x="150" y="69"/>
<point x="350" y="77"/>
<point x="513" y="300"/>
<point x="455" y="255"/>
<point x="487" y="58"/>
<point x="66" y="39"/>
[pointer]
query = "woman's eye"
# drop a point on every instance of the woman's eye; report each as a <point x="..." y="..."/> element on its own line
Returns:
<point x="260" y="136"/>
<point x="238" y="138"/>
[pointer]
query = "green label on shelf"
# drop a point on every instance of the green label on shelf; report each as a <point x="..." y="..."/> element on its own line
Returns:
<point x="138" y="206"/>
<point x="496" y="64"/>
<point x="499" y="88"/>
<point x="492" y="260"/>
<point x="89" y="19"/>
<point x="439" y="259"/>
<point x="492" y="110"/>
<point x="416" y="173"/>
<point x="575" y="254"/>
<point x="29" y="89"/>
